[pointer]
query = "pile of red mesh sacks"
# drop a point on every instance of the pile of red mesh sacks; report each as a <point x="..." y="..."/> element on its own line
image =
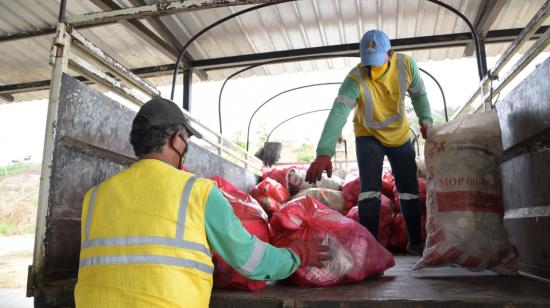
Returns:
<point x="356" y="253"/>
<point x="283" y="208"/>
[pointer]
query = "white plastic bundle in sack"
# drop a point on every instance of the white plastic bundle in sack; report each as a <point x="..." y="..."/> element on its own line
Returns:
<point x="296" y="182"/>
<point x="329" y="197"/>
<point x="464" y="207"/>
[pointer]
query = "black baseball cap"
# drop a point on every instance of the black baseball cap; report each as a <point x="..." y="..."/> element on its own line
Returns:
<point x="160" y="111"/>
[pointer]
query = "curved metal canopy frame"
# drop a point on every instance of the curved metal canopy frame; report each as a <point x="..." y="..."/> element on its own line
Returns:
<point x="334" y="83"/>
<point x="293" y="117"/>
<point x="440" y="89"/>
<point x="191" y="40"/>
<point x="481" y="63"/>
<point x="277" y="95"/>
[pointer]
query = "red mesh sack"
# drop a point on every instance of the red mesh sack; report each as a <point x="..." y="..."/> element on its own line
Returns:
<point x="244" y="206"/>
<point x="351" y="189"/>
<point x="280" y="174"/>
<point x="399" y="236"/>
<point x="388" y="184"/>
<point x="384" y="225"/>
<point x="356" y="254"/>
<point x="254" y="220"/>
<point x="270" y="194"/>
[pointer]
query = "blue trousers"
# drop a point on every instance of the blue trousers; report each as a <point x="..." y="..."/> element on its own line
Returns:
<point x="370" y="158"/>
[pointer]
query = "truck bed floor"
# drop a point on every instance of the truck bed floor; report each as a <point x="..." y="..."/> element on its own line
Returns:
<point x="435" y="287"/>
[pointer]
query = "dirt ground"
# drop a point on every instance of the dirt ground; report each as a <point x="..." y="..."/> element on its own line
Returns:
<point x="19" y="200"/>
<point x="15" y="257"/>
<point x="18" y="203"/>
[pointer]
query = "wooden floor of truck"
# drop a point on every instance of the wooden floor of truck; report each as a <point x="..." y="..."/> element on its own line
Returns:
<point x="434" y="287"/>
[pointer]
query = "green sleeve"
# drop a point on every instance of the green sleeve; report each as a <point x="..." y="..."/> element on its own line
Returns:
<point x="419" y="98"/>
<point x="343" y="105"/>
<point x="247" y="254"/>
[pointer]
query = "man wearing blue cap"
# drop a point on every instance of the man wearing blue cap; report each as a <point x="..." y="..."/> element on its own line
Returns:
<point x="376" y="89"/>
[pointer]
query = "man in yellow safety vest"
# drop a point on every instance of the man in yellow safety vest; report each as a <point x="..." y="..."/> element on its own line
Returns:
<point x="376" y="89"/>
<point x="148" y="231"/>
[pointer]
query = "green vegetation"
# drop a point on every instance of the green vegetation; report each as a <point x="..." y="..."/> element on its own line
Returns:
<point x="6" y="229"/>
<point x="305" y="153"/>
<point x="19" y="186"/>
<point x="238" y="138"/>
<point x="18" y="167"/>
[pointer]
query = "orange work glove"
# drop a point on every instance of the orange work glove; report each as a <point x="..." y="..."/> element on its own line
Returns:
<point x="311" y="252"/>
<point x="315" y="170"/>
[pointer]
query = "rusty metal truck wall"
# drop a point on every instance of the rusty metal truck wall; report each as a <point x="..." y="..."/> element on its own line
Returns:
<point x="524" y="117"/>
<point x="92" y="145"/>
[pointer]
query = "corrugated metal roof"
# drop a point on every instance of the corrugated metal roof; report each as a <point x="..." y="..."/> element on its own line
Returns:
<point x="293" y="25"/>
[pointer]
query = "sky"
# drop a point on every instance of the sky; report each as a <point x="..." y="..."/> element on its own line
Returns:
<point x="22" y="124"/>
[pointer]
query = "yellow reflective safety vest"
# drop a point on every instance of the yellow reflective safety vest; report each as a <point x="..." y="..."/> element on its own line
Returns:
<point x="143" y="240"/>
<point x="380" y="109"/>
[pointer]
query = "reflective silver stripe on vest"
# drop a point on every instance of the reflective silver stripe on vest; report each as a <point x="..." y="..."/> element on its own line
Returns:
<point x="147" y="259"/>
<point x="417" y="89"/>
<point x="90" y="214"/>
<point x="342" y="99"/>
<point x="402" y="71"/>
<point x="407" y="196"/>
<point x="369" y="104"/>
<point x="145" y="240"/>
<point x="177" y="242"/>
<point x="368" y="195"/>
<point x="183" y="206"/>
<point x="254" y="259"/>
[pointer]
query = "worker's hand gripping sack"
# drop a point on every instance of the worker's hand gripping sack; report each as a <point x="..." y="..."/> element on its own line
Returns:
<point x="464" y="206"/>
<point x="355" y="253"/>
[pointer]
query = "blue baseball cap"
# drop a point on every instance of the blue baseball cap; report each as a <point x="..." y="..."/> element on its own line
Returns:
<point x="374" y="47"/>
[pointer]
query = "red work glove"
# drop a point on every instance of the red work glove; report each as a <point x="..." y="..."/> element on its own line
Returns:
<point x="315" y="170"/>
<point x="424" y="127"/>
<point x="311" y="252"/>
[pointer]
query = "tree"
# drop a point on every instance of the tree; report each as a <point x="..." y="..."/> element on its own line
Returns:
<point x="238" y="139"/>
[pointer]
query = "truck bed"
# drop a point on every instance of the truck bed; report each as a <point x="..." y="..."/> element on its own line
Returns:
<point x="435" y="287"/>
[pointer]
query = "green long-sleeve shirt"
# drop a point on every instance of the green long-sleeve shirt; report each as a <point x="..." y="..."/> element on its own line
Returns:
<point x="339" y="113"/>
<point x="242" y="251"/>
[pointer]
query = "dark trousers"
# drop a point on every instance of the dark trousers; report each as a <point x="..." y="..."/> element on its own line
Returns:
<point x="370" y="158"/>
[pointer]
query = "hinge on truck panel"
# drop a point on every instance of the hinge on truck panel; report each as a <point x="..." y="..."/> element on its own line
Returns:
<point x="30" y="281"/>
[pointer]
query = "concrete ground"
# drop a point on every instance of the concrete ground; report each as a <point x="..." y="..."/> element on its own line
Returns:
<point x="15" y="257"/>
